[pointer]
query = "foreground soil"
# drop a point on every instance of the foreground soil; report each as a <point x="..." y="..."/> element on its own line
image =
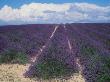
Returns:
<point x="14" y="73"/>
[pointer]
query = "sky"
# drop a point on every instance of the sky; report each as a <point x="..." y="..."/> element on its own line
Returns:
<point x="54" y="11"/>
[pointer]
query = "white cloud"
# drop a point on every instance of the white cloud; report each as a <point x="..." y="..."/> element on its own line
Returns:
<point x="55" y="13"/>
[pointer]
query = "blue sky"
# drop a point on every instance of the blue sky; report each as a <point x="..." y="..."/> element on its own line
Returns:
<point x="54" y="11"/>
<point x="18" y="3"/>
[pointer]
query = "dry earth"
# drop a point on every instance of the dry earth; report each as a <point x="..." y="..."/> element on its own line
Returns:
<point x="14" y="73"/>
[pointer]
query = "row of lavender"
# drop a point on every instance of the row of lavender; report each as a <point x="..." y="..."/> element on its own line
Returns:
<point x="94" y="57"/>
<point x="98" y="32"/>
<point x="24" y="38"/>
<point x="56" y="50"/>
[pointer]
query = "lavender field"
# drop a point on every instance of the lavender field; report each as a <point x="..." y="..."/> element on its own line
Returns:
<point x="77" y="52"/>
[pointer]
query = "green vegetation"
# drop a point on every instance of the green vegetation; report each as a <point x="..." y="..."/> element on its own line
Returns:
<point x="104" y="78"/>
<point x="97" y="59"/>
<point x="13" y="56"/>
<point x="107" y="62"/>
<point x="15" y="39"/>
<point x="52" y="68"/>
<point x="88" y="50"/>
<point x="108" y="42"/>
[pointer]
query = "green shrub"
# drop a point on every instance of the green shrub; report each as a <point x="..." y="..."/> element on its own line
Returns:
<point x="108" y="42"/>
<point x="13" y="56"/>
<point x="104" y="78"/>
<point x="88" y="50"/>
<point x="52" y="68"/>
<point x="107" y="61"/>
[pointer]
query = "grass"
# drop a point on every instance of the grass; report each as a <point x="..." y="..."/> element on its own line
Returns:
<point x="52" y="68"/>
<point x="12" y="56"/>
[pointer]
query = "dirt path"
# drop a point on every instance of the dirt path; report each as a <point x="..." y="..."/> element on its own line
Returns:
<point x="69" y="44"/>
<point x="13" y="73"/>
<point x="80" y="78"/>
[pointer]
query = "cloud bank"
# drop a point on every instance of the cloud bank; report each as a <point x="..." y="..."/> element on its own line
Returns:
<point x="54" y="13"/>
